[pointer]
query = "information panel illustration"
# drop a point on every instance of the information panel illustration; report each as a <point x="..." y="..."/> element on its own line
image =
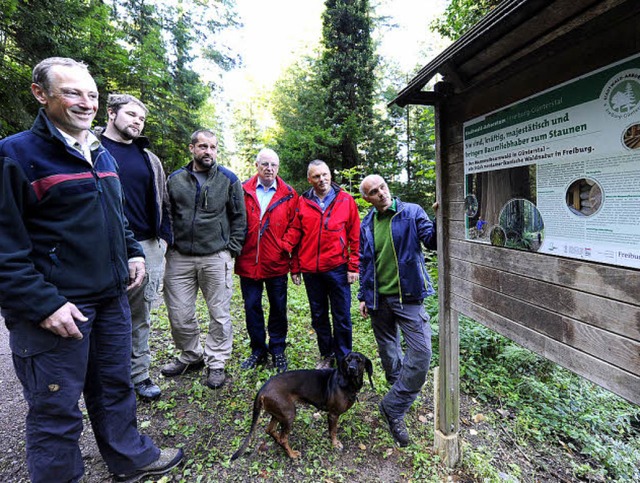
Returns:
<point x="559" y="172"/>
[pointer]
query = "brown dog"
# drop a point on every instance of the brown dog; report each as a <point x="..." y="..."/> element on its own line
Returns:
<point x="332" y="390"/>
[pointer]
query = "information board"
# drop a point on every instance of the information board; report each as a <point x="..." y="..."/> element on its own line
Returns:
<point x="559" y="172"/>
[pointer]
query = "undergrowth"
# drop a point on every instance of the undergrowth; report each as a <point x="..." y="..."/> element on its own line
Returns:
<point x="548" y="406"/>
<point x="552" y="405"/>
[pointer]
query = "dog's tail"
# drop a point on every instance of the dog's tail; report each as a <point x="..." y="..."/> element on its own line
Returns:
<point x="257" y="408"/>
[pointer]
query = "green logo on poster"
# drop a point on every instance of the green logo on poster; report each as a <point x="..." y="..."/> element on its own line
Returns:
<point x="621" y="94"/>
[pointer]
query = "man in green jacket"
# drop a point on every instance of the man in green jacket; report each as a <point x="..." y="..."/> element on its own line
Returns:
<point x="209" y="223"/>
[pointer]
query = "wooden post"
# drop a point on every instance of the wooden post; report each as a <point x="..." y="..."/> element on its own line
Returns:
<point x="447" y="392"/>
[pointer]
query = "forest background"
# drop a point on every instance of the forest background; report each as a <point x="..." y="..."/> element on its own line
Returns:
<point x="330" y="103"/>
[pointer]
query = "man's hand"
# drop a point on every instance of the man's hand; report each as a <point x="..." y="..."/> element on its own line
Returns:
<point x="363" y="310"/>
<point x="136" y="274"/>
<point x="62" y="321"/>
<point x="352" y="277"/>
<point x="296" y="278"/>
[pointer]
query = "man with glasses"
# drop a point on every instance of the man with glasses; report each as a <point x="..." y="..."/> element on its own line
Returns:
<point x="67" y="260"/>
<point x="265" y="259"/>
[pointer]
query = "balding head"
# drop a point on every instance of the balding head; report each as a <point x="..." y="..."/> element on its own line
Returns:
<point x="374" y="190"/>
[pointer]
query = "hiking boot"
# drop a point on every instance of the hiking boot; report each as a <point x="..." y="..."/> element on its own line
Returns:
<point x="397" y="427"/>
<point x="178" y="368"/>
<point x="280" y="362"/>
<point x="326" y="362"/>
<point x="215" y="378"/>
<point x="169" y="458"/>
<point x="253" y="360"/>
<point x="147" y="390"/>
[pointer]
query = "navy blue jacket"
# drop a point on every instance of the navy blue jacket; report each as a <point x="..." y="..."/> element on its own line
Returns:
<point x="410" y="226"/>
<point x="63" y="233"/>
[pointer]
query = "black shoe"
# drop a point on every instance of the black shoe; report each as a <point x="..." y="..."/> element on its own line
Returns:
<point x="397" y="428"/>
<point x="147" y="390"/>
<point x="215" y="378"/>
<point x="178" y="368"/>
<point x="280" y="362"/>
<point x="169" y="458"/>
<point x="253" y="360"/>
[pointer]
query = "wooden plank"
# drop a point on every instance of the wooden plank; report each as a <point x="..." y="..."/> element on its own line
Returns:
<point x="612" y="348"/>
<point x="542" y="29"/>
<point x="607" y="281"/>
<point x="604" y="313"/>
<point x="539" y="71"/>
<point x="447" y="418"/>
<point x="606" y="375"/>
<point x="456" y="210"/>
<point x="456" y="230"/>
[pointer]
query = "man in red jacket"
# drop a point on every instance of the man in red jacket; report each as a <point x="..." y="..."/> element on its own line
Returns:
<point x="265" y="259"/>
<point x="328" y="257"/>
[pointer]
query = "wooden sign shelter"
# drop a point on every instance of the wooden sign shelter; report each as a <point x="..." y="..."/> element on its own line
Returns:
<point x="538" y="179"/>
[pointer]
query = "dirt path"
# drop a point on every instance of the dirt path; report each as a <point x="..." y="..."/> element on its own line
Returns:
<point x="13" y="467"/>
<point x="12" y="462"/>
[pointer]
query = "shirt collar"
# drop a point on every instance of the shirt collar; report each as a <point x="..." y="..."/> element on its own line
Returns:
<point x="274" y="186"/>
<point x="92" y="143"/>
<point x="393" y="207"/>
<point x="92" y="140"/>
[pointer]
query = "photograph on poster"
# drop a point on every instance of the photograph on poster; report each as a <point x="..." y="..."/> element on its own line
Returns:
<point x="559" y="172"/>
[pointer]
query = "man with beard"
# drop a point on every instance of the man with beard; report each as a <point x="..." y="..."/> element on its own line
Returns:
<point x="67" y="259"/>
<point x="209" y="223"/>
<point x="147" y="210"/>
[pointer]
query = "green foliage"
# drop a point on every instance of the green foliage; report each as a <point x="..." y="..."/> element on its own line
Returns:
<point x="133" y="46"/>
<point x="551" y="403"/>
<point x="298" y="109"/>
<point x="347" y="66"/>
<point x="461" y="15"/>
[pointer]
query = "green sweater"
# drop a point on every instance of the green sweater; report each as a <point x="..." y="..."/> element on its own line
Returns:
<point x="386" y="259"/>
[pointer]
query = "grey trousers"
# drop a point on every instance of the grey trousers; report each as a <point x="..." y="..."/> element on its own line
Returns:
<point x="213" y="275"/>
<point x="405" y="372"/>
<point x="141" y="300"/>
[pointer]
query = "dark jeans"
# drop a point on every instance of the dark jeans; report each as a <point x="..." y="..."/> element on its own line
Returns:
<point x="277" y="326"/>
<point x="407" y="373"/>
<point x="326" y="288"/>
<point x="98" y="366"/>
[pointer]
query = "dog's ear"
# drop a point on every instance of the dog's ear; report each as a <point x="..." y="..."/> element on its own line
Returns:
<point x="369" y="367"/>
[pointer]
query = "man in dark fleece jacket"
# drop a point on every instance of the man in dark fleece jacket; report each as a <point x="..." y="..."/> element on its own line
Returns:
<point x="66" y="261"/>
<point x="209" y="224"/>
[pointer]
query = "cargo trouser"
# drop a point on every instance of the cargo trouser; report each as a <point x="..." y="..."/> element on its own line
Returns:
<point x="406" y="373"/>
<point x="213" y="275"/>
<point x="98" y="366"/>
<point x="141" y="300"/>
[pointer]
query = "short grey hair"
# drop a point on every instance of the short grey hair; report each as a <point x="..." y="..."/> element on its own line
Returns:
<point x="267" y="152"/>
<point x="315" y="162"/>
<point x="116" y="101"/>
<point x="41" y="72"/>
<point x="367" y="178"/>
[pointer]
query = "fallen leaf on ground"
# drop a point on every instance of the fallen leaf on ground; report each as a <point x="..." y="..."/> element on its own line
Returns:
<point x="478" y="418"/>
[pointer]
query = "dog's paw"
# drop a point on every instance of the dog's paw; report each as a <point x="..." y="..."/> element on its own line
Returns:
<point x="338" y="445"/>
<point x="293" y="454"/>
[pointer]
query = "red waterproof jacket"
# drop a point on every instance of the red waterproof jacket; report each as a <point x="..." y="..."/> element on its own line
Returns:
<point x="329" y="239"/>
<point x="269" y="242"/>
